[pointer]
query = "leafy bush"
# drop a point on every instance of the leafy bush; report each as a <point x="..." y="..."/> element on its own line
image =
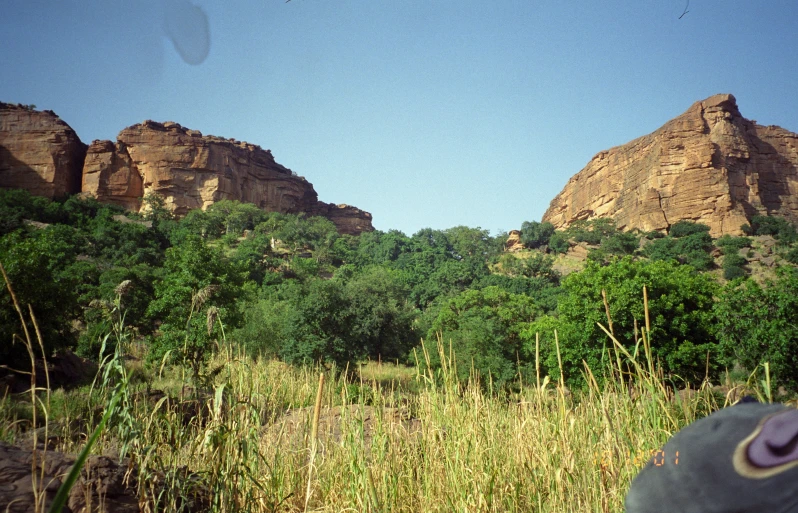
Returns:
<point x="653" y="234"/>
<point x="729" y="243"/>
<point x="685" y="228"/>
<point x="592" y="231"/>
<point x="620" y="243"/>
<point x="778" y="227"/>
<point x="46" y="274"/>
<point x="484" y="328"/>
<point x="198" y="290"/>
<point x="692" y="249"/>
<point x="680" y="307"/>
<point x="758" y="324"/>
<point x="535" y="234"/>
<point x="345" y="322"/>
<point x="733" y="272"/>
<point x="558" y="243"/>
<point x="733" y="264"/>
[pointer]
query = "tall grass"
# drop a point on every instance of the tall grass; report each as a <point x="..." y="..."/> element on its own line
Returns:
<point x="268" y="437"/>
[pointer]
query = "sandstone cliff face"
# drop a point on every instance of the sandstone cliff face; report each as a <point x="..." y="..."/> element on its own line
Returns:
<point x="38" y="152"/>
<point x="192" y="171"/>
<point x="348" y="219"/>
<point x="709" y="165"/>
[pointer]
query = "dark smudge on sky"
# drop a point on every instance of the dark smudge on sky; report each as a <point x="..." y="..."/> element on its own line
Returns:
<point x="186" y="25"/>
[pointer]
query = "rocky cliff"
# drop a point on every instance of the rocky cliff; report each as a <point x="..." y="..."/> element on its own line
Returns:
<point x="40" y="153"/>
<point x="709" y="165"/>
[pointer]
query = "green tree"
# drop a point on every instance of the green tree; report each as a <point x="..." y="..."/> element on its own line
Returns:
<point x="558" y="243"/>
<point x="758" y="324"/>
<point x="45" y="272"/>
<point x="535" y="234"/>
<point x="483" y="328"/>
<point x="346" y="321"/>
<point x="778" y="227"/>
<point x="194" y="299"/>
<point x="680" y="309"/>
<point x="684" y="228"/>
<point x="592" y="231"/>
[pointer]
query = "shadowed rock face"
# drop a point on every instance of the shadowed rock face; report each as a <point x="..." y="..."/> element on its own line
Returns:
<point x="39" y="152"/>
<point x="709" y="165"/>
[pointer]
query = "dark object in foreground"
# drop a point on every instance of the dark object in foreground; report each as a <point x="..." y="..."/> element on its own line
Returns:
<point x="738" y="460"/>
<point x="104" y="484"/>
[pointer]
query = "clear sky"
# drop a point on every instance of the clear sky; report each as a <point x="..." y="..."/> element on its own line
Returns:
<point x="430" y="113"/>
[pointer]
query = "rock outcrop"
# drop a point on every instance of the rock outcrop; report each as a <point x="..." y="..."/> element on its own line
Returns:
<point x="709" y="165"/>
<point x="192" y="171"/>
<point x="348" y="219"/>
<point x="513" y="243"/>
<point x="39" y="152"/>
<point x="43" y="155"/>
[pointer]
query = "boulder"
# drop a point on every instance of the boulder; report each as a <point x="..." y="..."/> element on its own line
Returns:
<point x="39" y="152"/>
<point x="709" y="165"/>
<point x="513" y="241"/>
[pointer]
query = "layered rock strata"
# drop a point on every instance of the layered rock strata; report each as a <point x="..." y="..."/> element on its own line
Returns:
<point x="193" y="171"/>
<point x="42" y="154"/>
<point x="39" y="152"/>
<point x="709" y="165"/>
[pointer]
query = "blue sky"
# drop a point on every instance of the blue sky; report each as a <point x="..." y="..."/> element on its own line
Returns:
<point x="429" y="113"/>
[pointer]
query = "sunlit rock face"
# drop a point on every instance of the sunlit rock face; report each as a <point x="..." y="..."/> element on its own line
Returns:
<point x="43" y="155"/>
<point x="709" y="165"/>
<point x="38" y="152"/>
<point x="190" y="170"/>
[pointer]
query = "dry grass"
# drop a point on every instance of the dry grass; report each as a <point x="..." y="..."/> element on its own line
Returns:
<point x="397" y="440"/>
<point x="445" y="447"/>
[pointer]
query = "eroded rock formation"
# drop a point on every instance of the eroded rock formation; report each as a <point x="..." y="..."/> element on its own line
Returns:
<point x="38" y="152"/>
<point x="347" y="219"/>
<point x="709" y="165"/>
<point x="192" y="171"/>
<point x="42" y="154"/>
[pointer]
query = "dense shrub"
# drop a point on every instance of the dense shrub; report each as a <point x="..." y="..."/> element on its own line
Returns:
<point x="685" y="228"/>
<point x="730" y="243"/>
<point x="535" y="234"/>
<point x="733" y="262"/>
<point x="620" y="243"/>
<point x="592" y="231"/>
<point x="758" y="324"/>
<point x="558" y="243"/>
<point x="777" y="227"/>
<point x="680" y="307"/>
<point x="483" y="328"/>
<point x="692" y="249"/>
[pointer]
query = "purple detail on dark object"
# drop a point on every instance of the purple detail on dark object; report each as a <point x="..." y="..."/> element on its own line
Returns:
<point x="777" y="443"/>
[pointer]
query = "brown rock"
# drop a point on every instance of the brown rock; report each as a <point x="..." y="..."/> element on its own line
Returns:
<point x="110" y="175"/>
<point x="709" y="165"/>
<point x="769" y="261"/>
<point x="102" y="481"/>
<point x="580" y="251"/>
<point x="192" y="171"/>
<point x="38" y="152"/>
<point x="513" y="241"/>
<point x="348" y="219"/>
